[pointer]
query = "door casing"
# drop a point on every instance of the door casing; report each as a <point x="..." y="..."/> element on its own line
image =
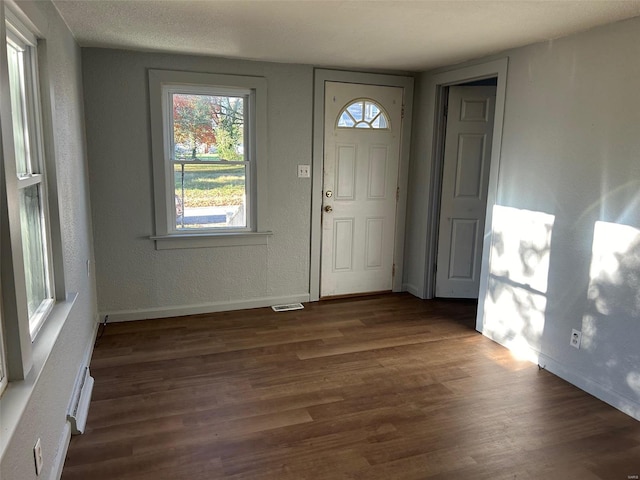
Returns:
<point x="437" y="90"/>
<point x="320" y="77"/>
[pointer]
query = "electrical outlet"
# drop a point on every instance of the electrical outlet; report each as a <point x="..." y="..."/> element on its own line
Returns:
<point x="304" y="171"/>
<point x="576" y="338"/>
<point x="37" y="456"/>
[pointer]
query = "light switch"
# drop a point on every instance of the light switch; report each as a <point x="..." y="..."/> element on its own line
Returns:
<point x="304" y="171"/>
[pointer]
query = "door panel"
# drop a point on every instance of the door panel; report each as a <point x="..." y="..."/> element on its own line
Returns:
<point x="465" y="179"/>
<point x="470" y="164"/>
<point x="374" y="242"/>
<point x="346" y="172"/>
<point x="463" y="242"/>
<point x="343" y="241"/>
<point x="377" y="172"/>
<point x="359" y="189"/>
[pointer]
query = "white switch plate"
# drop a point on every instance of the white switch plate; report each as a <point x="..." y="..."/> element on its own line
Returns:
<point x="304" y="171"/>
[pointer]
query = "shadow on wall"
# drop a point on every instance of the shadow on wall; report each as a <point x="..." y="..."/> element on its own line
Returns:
<point x="611" y="323"/>
<point x="520" y="303"/>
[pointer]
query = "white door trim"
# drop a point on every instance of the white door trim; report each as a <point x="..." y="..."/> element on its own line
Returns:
<point x="495" y="68"/>
<point x="320" y="77"/>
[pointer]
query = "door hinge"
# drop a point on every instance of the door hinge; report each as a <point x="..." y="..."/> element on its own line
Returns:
<point x="397" y="194"/>
<point x="402" y="112"/>
<point x="435" y="267"/>
<point x="393" y="270"/>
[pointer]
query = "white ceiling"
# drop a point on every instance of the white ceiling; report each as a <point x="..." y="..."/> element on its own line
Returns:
<point x="375" y="34"/>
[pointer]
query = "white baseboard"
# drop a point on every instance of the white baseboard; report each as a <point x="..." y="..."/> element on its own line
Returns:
<point x="622" y="403"/>
<point x="601" y="392"/>
<point x="412" y="289"/>
<point x="58" y="462"/>
<point x="65" y="438"/>
<point x="182" y="310"/>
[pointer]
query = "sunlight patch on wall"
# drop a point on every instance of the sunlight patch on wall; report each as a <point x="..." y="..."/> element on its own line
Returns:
<point x="615" y="263"/>
<point x="516" y="302"/>
<point x="521" y="245"/>
<point x="614" y="285"/>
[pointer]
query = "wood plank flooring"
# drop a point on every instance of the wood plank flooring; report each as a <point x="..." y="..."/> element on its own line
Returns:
<point x="384" y="387"/>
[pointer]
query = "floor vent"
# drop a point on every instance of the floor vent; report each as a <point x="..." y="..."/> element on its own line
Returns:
<point x="288" y="307"/>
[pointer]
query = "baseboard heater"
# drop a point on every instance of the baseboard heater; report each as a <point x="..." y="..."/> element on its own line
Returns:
<point x="80" y="400"/>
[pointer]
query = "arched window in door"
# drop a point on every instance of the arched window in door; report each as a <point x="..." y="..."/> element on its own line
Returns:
<point x="364" y="113"/>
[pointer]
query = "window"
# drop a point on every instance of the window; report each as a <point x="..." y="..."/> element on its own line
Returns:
<point x="209" y="158"/>
<point x="34" y="304"/>
<point x="363" y="113"/>
<point x="27" y="184"/>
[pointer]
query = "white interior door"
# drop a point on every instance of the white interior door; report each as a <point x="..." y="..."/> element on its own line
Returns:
<point x="465" y="179"/>
<point x="362" y="151"/>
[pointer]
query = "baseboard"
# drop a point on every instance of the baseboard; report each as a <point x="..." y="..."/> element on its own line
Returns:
<point x="412" y="289"/>
<point x="58" y="462"/>
<point x="65" y="438"/>
<point x="620" y="402"/>
<point x="182" y="310"/>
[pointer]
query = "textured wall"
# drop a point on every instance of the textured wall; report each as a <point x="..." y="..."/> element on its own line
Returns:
<point x="131" y="274"/>
<point x="566" y="227"/>
<point x="45" y="413"/>
<point x="570" y="158"/>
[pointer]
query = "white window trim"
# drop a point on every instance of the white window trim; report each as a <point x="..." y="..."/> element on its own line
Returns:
<point x="22" y="38"/>
<point x="257" y="232"/>
<point x="3" y="363"/>
<point x="25" y="342"/>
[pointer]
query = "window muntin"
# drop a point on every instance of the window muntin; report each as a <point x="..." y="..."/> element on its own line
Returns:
<point x="30" y="182"/>
<point x="209" y="157"/>
<point x="363" y="113"/>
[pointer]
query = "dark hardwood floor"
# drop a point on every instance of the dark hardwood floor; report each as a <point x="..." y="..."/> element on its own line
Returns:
<point x="386" y="387"/>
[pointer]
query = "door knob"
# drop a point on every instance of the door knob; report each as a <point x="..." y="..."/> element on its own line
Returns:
<point x="328" y="209"/>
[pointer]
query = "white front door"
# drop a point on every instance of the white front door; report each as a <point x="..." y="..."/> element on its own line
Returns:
<point x="465" y="179"/>
<point x="362" y="151"/>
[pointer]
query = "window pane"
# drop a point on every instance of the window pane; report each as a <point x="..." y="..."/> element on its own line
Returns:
<point x="371" y="110"/>
<point x="208" y="127"/>
<point x="355" y="109"/>
<point x="380" y="122"/>
<point x="210" y="195"/>
<point x="35" y="261"/>
<point x="18" y="107"/>
<point x="345" y="120"/>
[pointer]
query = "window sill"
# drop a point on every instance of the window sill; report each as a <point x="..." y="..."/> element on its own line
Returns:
<point x="15" y="398"/>
<point x="207" y="240"/>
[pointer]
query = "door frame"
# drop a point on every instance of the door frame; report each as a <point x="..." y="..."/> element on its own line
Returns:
<point x="438" y="89"/>
<point x="321" y="76"/>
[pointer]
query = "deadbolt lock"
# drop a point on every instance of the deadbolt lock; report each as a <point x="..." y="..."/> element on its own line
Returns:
<point x="329" y="194"/>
